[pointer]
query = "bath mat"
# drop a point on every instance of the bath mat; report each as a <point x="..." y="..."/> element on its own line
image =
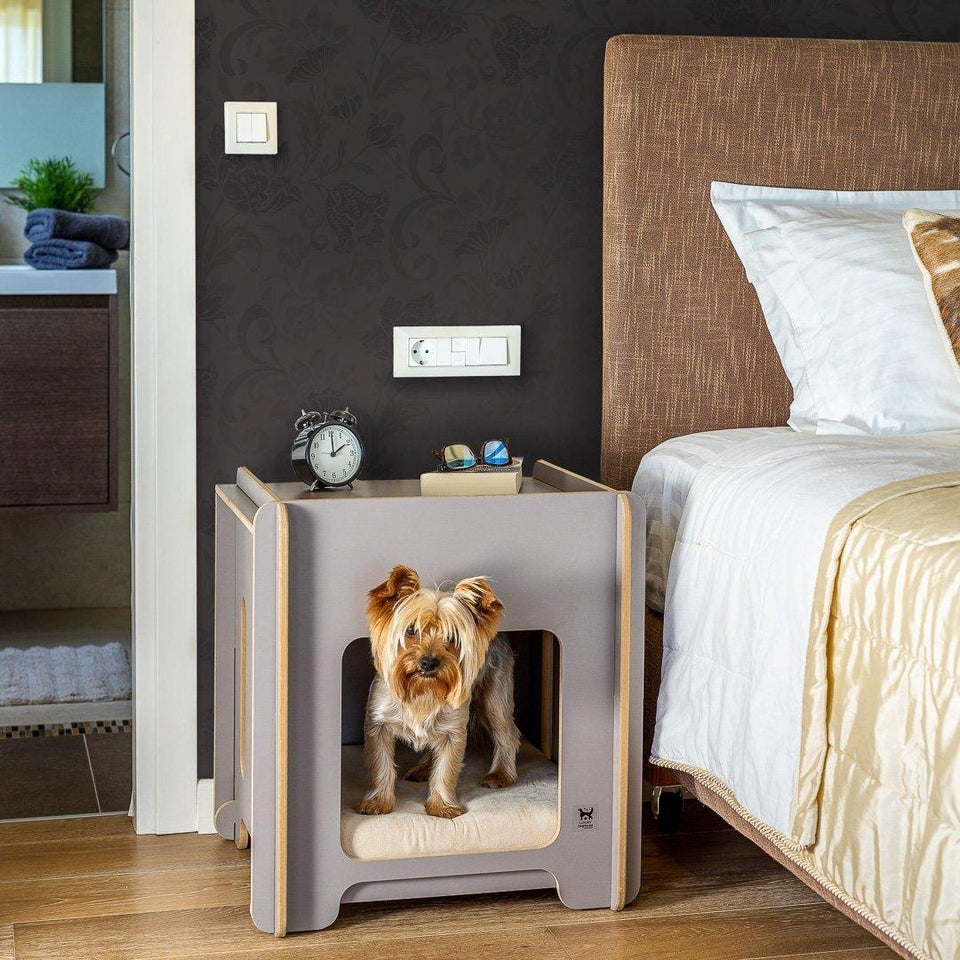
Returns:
<point x="64" y="674"/>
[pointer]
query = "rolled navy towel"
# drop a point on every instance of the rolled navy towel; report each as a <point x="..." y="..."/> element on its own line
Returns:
<point x="57" y="254"/>
<point x="105" y="230"/>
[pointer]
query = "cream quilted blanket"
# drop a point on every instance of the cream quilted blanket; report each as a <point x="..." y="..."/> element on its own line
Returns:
<point x="884" y="770"/>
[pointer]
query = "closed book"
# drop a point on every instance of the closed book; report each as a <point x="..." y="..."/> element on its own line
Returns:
<point x="476" y="482"/>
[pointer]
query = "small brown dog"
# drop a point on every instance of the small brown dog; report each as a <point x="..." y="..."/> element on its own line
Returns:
<point x="441" y="670"/>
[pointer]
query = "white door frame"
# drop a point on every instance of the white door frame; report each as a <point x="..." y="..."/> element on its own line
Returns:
<point x="163" y="335"/>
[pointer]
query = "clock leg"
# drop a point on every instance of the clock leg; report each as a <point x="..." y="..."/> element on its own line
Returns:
<point x="320" y="485"/>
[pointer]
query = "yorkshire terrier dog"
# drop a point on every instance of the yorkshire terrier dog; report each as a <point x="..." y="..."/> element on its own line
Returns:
<point x="443" y="672"/>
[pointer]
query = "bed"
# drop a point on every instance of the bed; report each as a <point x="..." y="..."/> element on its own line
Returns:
<point x="686" y="350"/>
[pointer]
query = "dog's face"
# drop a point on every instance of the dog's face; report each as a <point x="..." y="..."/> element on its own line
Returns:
<point x="431" y="643"/>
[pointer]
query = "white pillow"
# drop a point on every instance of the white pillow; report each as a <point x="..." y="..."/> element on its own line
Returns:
<point x="874" y="357"/>
<point x="741" y="210"/>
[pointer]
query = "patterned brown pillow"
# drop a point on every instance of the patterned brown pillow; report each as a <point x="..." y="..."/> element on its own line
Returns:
<point x="935" y="238"/>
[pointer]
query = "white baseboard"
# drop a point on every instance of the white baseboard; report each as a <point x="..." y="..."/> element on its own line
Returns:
<point x="205" y="823"/>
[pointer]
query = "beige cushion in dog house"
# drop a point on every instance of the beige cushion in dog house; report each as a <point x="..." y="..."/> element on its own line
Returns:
<point x="522" y="817"/>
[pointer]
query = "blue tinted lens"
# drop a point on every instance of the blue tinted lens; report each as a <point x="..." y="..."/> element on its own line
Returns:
<point x="495" y="453"/>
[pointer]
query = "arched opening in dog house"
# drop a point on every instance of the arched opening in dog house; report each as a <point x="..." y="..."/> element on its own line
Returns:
<point x="521" y="816"/>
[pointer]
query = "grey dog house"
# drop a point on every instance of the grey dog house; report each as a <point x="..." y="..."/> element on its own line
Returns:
<point x="292" y="572"/>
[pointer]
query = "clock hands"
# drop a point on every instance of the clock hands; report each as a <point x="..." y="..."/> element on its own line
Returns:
<point x="335" y="450"/>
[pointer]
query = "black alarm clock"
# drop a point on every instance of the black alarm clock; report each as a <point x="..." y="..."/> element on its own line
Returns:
<point x="327" y="451"/>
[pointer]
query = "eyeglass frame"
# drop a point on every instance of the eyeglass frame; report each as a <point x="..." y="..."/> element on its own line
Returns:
<point x="478" y="461"/>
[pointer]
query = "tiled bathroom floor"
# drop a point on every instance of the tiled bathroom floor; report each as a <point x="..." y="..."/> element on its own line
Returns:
<point x="64" y="775"/>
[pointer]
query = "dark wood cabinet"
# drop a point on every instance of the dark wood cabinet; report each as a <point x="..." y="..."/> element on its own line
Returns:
<point x="58" y="402"/>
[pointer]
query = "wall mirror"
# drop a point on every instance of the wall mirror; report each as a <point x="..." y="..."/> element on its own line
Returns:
<point x="51" y="41"/>
<point x="52" y="71"/>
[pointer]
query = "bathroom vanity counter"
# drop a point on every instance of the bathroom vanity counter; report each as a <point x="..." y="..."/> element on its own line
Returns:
<point x="17" y="279"/>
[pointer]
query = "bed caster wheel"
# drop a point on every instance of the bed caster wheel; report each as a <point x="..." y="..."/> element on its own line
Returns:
<point x="667" y="808"/>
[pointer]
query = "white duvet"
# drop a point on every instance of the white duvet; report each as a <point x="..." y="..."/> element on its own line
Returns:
<point x="740" y="591"/>
<point x="663" y="481"/>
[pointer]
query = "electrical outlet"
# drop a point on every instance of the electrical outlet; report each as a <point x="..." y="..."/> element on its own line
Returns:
<point x="423" y="353"/>
<point x="473" y="351"/>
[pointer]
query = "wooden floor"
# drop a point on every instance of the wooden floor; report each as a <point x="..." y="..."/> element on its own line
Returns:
<point x="91" y="889"/>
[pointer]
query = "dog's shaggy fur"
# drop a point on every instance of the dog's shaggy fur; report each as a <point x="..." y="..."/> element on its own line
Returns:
<point x="442" y="672"/>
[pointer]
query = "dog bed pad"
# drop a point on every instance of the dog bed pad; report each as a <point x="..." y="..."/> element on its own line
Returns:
<point x="521" y="817"/>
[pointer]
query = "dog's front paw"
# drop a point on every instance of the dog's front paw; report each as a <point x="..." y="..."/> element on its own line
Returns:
<point x="374" y="804"/>
<point x="435" y="807"/>
<point x="497" y="779"/>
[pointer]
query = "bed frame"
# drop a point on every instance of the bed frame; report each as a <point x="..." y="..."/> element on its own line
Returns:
<point x="685" y="344"/>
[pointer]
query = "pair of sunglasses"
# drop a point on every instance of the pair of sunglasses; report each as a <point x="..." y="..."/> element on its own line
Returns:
<point x="459" y="456"/>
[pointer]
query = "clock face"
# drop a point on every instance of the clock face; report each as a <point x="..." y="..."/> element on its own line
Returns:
<point x="335" y="454"/>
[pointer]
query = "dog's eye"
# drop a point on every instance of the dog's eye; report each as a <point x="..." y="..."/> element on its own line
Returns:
<point x="451" y="641"/>
<point x="412" y="630"/>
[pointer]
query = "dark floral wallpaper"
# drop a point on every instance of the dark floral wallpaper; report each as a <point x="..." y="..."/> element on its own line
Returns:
<point x="439" y="163"/>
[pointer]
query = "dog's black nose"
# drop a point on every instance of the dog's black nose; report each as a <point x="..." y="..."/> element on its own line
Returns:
<point x="428" y="664"/>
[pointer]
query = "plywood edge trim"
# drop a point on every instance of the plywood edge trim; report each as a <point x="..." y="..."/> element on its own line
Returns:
<point x="246" y="476"/>
<point x="234" y="509"/>
<point x="282" y="731"/>
<point x="623" y="701"/>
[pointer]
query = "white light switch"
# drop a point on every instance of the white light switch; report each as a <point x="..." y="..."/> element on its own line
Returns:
<point x="249" y="127"/>
<point x="258" y="128"/>
<point x="493" y="351"/>
<point x="473" y="351"/>
<point x="244" y="127"/>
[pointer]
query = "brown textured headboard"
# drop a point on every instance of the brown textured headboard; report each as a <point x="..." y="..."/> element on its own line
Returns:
<point x="685" y="346"/>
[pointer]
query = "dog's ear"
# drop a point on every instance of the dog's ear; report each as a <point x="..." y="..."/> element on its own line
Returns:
<point x="481" y="601"/>
<point x="401" y="583"/>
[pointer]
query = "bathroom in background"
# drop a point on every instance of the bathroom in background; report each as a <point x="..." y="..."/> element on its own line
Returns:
<point x="65" y="652"/>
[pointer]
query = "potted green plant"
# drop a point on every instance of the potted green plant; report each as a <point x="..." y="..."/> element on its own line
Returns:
<point x="55" y="183"/>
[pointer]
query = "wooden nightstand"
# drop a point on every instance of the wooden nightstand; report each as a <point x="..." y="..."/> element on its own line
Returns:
<point x="293" y="570"/>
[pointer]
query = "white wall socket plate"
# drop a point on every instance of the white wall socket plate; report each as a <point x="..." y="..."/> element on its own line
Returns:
<point x="488" y="350"/>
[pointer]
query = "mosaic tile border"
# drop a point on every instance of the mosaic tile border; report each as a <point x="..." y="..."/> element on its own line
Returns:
<point x="88" y="727"/>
